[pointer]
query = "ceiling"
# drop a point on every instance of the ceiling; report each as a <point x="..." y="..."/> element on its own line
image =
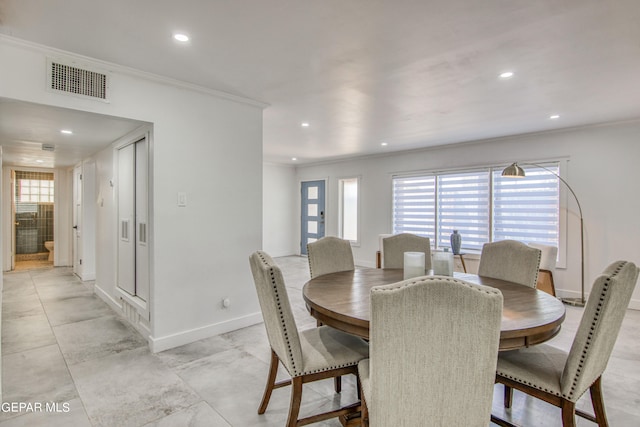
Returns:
<point x="408" y="73"/>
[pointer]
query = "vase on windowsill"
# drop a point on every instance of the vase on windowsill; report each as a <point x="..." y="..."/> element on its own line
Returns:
<point x="456" y="242"/>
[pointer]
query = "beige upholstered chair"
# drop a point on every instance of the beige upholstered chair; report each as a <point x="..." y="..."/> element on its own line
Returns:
<point x="433" y="350"/>
<point x="561" y="378"/>
<point x="394" y="248"/>
<point x="308" y="355"/>
<point x="548" y="259"/>
<point x="510" y="260"/>
<point x="329" y="255"/>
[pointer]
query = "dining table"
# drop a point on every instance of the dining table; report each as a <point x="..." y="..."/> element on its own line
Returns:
<point x="342" y="300"/>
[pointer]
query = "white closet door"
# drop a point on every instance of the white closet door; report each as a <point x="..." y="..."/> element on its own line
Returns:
<point x="126" y="219"/>
<point x="142" y="223"/>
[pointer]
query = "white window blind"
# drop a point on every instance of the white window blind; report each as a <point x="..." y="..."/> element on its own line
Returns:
<point x="481" y="204"/>
<point x="414" y="205"/>
<point x="526" y="209"/>
<point x="463" y="205"/>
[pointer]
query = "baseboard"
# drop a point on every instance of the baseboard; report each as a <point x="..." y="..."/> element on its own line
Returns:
<point x="106" y="297"/>
<point x="88" y="276"/>
<point x="158" y="344"/>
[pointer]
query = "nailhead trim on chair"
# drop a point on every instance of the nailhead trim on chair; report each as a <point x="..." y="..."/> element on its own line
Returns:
<point x="605" y="289"/>
<point x="399" y="285"/>
<point x="535" y="279"/>
<point x="585" y="351"/>
<point x="295" y="372"/>
<point x="284" y="326"/>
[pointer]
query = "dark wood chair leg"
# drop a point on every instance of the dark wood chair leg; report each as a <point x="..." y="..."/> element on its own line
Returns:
<point x="508" y="395"/>
<point x="568" y="414"/>
<point x="296" y="399"/>
<point x="337" y="382"/>
<point x="271" y="380"/>
<point x="598" y="403"/>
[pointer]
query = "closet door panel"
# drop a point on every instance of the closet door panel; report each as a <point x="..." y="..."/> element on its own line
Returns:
<point x="126" y="219"/>
<point x="142" y="223"/>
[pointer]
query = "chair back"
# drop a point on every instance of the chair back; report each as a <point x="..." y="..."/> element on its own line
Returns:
<point x="599" y="327"/>
<point x="394" y="248"/>
<point x="329" y="255"/>
<point x="510" y="260"/>
<point x="276" y="311"/>
<point x="548" y="256"/>
<point x="433" y="352"/>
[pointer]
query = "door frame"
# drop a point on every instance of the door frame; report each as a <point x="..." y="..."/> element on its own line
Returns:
<point x="326" y="209"/>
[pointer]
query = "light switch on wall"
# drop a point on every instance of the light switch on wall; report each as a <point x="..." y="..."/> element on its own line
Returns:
<point x="182" y="199"/>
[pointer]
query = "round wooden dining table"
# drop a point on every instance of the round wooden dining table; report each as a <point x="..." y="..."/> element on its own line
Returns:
<point x="342" y="301"/>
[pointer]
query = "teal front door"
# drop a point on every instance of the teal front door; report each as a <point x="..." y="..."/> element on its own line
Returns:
<point x="312" y="213"/>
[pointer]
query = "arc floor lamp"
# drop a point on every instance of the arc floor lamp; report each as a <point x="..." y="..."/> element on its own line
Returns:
<point x="515" y="171"/>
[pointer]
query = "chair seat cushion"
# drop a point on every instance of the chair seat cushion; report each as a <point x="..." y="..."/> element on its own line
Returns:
<point x="325" y="348"/>
<point x="539" y="366"/>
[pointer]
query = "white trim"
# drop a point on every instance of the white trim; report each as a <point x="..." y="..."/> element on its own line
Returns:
<point x="115" y="68"/>
<point x="185" y="337"/>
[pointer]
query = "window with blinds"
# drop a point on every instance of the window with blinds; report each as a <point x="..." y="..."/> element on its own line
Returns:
<point x="463" y="205"/>
<point x="481" y="204"/>
<point x="414" y="204"/>
<point x="527" y="209"/>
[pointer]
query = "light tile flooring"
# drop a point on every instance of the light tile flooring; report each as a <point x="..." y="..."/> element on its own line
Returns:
<point x="62" y="344"/>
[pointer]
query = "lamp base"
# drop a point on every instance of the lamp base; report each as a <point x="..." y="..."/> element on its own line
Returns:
<point x="576" y="302"/>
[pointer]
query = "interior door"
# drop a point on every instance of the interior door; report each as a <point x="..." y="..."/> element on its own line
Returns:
<point x="126" y="279"/>
<point x="77" y="220"/>
<point x="13" y="220"/>
<point x="312" y="213"/>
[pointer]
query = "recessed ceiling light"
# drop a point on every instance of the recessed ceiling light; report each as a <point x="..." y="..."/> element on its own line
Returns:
<point x="506" y="75"/>
<point x="555" y="116"/>
<point x="39" y="161"/>
<point x="294" y="158"/>
<point x="384" y="144"/>
<point x="66" y="131"/>
<point x="304" y="124"/>
<point x="181" y="37"/>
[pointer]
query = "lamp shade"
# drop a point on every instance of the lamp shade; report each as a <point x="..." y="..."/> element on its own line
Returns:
<point x="513" y="171"/>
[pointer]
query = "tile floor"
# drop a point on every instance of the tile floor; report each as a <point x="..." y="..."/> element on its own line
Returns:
<point x="62" y="344"/>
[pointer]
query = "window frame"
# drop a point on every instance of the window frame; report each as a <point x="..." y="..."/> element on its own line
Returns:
<point x="341" y="207"/>
<point x="561" y="165"/>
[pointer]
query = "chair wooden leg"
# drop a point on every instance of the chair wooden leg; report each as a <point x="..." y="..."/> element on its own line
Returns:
<point x="598" y="403"/>
<point x="271" y="380"/>
<point x="508" y="396"/>
<point x="296" y="399"/>
<point x="364" y="412"/>
<point x="568" y="414"/>
<point x="337" y="382"/>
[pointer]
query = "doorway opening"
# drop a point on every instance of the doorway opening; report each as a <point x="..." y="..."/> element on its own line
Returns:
<point x="33" y="232"/>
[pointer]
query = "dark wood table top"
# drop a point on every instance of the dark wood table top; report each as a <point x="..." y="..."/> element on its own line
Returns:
<point x="342" y="300"/>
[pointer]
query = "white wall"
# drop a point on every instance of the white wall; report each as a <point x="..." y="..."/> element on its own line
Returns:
<point x="279" y="210"/>
<point x="206" y="144"/>
<point x="602" y="170"/>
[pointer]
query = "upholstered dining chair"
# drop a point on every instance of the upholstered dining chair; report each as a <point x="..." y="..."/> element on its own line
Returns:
<point x="510" y="260"/>
<point x="308" y="355"/>
<point x="433" y="350"/>
<point x="329" y="255"/>
<point x="548" y="260"/>
<point x="561" y="378"/>
<point x="395" y="246"/>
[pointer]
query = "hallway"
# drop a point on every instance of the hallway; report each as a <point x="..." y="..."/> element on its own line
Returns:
<point x="62" y="344"/>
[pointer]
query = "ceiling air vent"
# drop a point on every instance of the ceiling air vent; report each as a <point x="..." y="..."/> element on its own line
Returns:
<point x="48" y="147"/>
<point x="77" y="81"/>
